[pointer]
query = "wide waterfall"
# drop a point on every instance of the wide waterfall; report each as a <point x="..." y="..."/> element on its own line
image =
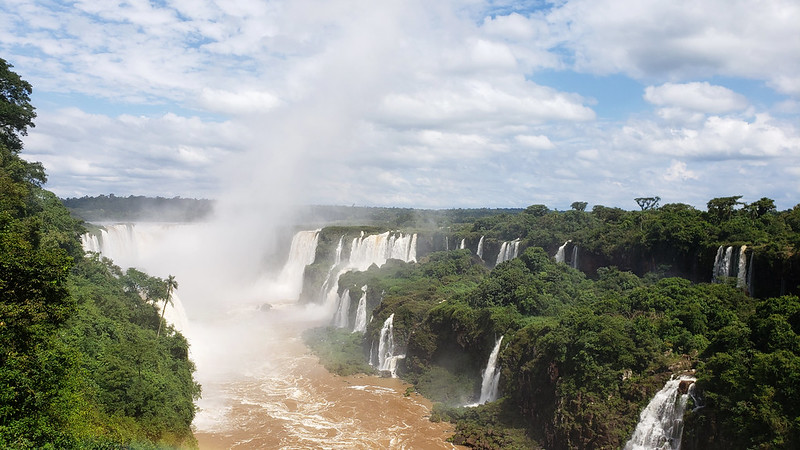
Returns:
<point x="127" y="244"/>
<point x="302" y="253"/>
<point x="731" y="262"/>
<point x="361" y="313"/>
<point x="661" y="423"/>
<point x="386" y="359"/>
<point x="342" y="316"/>
<point x="559" y="256"/>
<point x="490" y="380"/>
<point x="508" y="250"/>
<point x="479" y="251"/>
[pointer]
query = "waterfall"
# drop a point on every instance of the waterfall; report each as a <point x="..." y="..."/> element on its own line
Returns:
<point x="661" y="422"/>
<point x="750" y="285"/>
<point x="479" y="252"/>
<point x="509" y="250"/>
<point x="338" y="256"/>
<point x="463" y="244"/>
<point x="128" y="245"/>
<point x="361" y="313"/>
<point x="342" y="316"/>
<point x="366" y="251"/>
<point x="491" y="376"/>
<point x="574" y="262"/>
<point x="722" y="263"/>
<point x="741" y="276"/>
<point x="302" y="252"/>
<point x="446" y="243"/>
<point x="387" y="359"/>
<point x="559" y="256"/>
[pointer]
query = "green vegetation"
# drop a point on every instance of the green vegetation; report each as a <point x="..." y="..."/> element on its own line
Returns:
<point x="137" y="208"/>
<point x="80" y="365"/>
<point x="340" y="351"/>
<point x="584" y="351"/>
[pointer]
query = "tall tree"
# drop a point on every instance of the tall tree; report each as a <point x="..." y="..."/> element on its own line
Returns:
<point x="171" y="284"/>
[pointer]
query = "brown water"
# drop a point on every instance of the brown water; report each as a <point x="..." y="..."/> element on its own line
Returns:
<point x="263" y="389"/>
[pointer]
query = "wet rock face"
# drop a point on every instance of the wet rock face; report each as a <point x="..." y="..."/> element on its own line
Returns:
<point x="683" y="387"/>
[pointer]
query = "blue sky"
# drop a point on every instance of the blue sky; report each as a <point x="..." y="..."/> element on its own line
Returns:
<point x="413" y="103"/>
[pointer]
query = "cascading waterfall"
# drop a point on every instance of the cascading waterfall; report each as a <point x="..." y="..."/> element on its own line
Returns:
<point x="559" y="256"/>
<point x="741" y="276"/>
<point x="722" y="263"/>
<point x="479" y="251"/>
<point x="750" y="275"/>
<point x="342" y="316"/>
<point x="302" y="252"/>
<point x="361" y="313"/>
<point x="491" y="376"/>
<point x="661" y="422"/>
<point x="386" y="357"/>
<point x="463" y="244"/>
<point x="446" y="243"/>
<point x="508" y="250"/>
<point x="366" y="251"/>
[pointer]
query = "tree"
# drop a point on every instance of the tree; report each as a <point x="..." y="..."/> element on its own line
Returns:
<point x="171" y="284"/>
<point x="761" y="207"/>
<point x="648" y="202"/>
<point x="579" y="206"/>
<point x="720" y="209"/>
<point x="16" y="111"/>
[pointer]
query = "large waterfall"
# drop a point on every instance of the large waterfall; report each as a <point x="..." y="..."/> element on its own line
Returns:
<point x="508" y="250"/>
<point x="386" y="359"/>
<point x="302" y="253"/>
<point x="490" y="380"/>
<point x="127" y="245"/>
<point x="364" y="252"/>
<point x="661" y="423"/>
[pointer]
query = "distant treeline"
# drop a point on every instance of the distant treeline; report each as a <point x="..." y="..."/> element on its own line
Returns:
<point x="138" y="208"/>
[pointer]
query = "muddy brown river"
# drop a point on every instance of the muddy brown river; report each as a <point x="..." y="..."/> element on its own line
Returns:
<point x="262" y="388"/>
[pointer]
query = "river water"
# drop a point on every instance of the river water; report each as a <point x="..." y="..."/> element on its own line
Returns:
<point x="262" y="388"/>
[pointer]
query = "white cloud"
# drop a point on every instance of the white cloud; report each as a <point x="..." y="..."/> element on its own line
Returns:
<point x="678" y="171"/>
<point x="697" y="97"/>
<point x="535" y="142"/>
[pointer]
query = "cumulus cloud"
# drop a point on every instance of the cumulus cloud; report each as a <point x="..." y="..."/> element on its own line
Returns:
<point x="697" y="96"/>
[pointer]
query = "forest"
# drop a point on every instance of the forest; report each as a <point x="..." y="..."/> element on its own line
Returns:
<point x="83" y="364"/>
<point x="588" y="340"/>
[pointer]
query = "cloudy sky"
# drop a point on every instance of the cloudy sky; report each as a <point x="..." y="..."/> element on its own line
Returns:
<point x="414" y="103"/>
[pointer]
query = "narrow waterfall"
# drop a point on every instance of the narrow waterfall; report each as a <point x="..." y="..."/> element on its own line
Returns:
<point x="574" y="262"/>
<point x="750" y="286"/>
<point x="661" y="422"/>
<point x="361" y="313"/>
<point x="446" y="243"/>
<point x="559" y="256"/>
<point x="386" y="358"/>
<point x="491" y="376"/>
<point x="509" y="250"/>
<point x="479" y="252"/>
<point x="338" y="255"/>
<point x="463" y="244"/>
<point x="342" y="316"/>
<point x="741" y="276"/>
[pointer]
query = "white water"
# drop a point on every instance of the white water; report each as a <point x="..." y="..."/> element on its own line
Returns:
<point x="508" y="250"/>
<point x="463" y="244"/>
<point x="741" y="276"/>
<point x="574" y="262"/>
<point x="302" y="253"/>
<point x="661" y="422"/>
<point x="361" y="313"/>
<point x="342" y="316"/>
<point x="559" y="256"/>
<point x="479" y="252"/>
<point x="490" y="380"/>
<point x="387" y="358"/>
<point x="722" y="263"/>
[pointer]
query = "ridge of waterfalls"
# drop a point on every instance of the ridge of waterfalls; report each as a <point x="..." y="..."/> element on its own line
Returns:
<point x="732" y="262"/>
<point x="361" y="313"/>
<point x="661" y="422"/>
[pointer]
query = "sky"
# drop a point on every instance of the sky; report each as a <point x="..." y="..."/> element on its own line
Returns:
<point x="413" y="103"/>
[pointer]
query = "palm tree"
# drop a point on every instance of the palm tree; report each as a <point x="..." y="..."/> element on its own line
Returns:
<point x="171" y="284"/>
